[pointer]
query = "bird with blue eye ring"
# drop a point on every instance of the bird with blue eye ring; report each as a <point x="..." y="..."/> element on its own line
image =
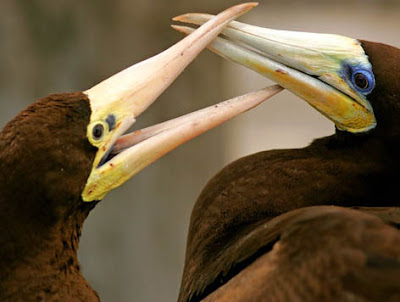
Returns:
<point x="277" y="225"/>
<point x="360" y="78"/>
<point x="330" y="72"/>
<point x="363" y="80"/>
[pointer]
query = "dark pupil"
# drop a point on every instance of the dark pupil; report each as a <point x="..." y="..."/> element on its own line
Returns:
<point x="98" y="131"/>
<point x="361" y="81"/>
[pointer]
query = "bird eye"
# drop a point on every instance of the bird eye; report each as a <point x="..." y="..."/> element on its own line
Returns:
<point x="363" y="80"/>
<point x="98" y="131"/>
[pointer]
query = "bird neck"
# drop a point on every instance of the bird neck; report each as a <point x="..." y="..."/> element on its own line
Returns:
<point x="342" y="170"/>
<point x="35" y="252"/>
<point x="335" y="170"/>
<point x="382" y="146"/>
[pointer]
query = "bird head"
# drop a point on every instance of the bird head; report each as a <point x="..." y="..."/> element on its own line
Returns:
<point x="351" y="82"/>
<point x="45" y="158"/>
<point x="70" y="149"/>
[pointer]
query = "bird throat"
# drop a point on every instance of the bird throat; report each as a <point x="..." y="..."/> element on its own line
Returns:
<point x="40" y="255"/>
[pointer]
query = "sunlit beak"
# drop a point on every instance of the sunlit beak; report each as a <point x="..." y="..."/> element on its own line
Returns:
<point x="322" y="69"/>
<point x="117" y="101"/>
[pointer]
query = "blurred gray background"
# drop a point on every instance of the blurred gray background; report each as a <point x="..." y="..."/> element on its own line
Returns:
<point x="133" y="243"/>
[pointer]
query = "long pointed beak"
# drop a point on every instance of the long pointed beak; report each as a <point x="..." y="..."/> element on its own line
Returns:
<point x="332" y="73"/>
<point x="137" y="87"/>
<point x="133" y="152"/>
<point x="119" y="100"/>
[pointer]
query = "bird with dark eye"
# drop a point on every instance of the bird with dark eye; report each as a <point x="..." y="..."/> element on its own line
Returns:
<point x="65" y="152"/>
<point x="363" y="80"/>
<point x="314" y="224"/>
<point x="98" y="131"/>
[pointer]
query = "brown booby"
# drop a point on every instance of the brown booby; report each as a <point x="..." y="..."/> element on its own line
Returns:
<point x="313" y="224"/>
<point x="65" y="152"/>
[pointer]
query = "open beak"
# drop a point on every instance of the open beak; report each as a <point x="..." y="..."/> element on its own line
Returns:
<point x="332" y="73"/>
<point x="119" y="100"/>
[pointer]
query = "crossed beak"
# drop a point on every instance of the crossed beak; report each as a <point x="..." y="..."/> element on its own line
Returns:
<point x="119" y="100"/>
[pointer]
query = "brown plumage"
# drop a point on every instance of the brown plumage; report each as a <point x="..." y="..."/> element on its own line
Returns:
<point x="319" y="254"/>
<point x="45" y="160"/>
<point x="247" y="241"/>
<point x="65" y="152"/>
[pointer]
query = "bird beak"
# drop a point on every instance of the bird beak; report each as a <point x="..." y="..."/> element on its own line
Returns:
<point x="332" y="73"/>
<point x="119" y="100"/>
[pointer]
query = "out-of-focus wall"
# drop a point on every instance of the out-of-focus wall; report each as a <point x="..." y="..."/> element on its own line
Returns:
<point x="132" y="248"/>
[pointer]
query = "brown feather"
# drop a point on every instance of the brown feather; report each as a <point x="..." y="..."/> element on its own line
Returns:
<point x="342" y="170"/>
<point x="45" y="160"/>
<point x="324" y="254"/>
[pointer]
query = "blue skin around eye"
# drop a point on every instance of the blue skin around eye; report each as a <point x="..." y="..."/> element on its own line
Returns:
<point x="370" y="78"/>
<point x="348" y="74"/>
